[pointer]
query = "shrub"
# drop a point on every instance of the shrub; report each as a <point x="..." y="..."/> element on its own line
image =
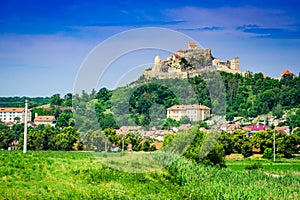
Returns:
<point x="246" y="150"/>
<point x="268" y="153"/>
<point x="254" y="166"/>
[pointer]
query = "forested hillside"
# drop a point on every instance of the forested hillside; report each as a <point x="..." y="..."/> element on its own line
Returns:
<point x="255" y="94"/>
<point x="246" y="96"/>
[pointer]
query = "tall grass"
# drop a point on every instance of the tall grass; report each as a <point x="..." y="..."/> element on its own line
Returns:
<point x="214" y="183"/>
<point x="78" y="175"/>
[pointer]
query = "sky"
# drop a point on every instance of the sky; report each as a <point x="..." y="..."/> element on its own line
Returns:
<point x="43" y="44"/>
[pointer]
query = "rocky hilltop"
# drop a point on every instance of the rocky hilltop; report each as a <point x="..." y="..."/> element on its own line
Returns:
<point x="189" y="63"/>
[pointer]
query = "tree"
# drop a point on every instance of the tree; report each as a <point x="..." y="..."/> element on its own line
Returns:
<point x="277" y="111"/>
<point x="17" y="119"/>
<point x="66" y="139"/>
<point x="185" y="120"/>
<point x="103" y="94"/>
<point x="268" y="153"/>
<point x="203" y="125"/>
<point x="65" y="119"/>
<point x="134" y="138"/>
<point x="17" y="129"/>
<point x="56" y="100"/>
<point x="67" y="102"/>
<point x="216" y="157"/>
<point x="214" y="153"/>
<point x="168" y="139"/>
<point x="293" y="119"/>
<point x="229" y="116"/>
<point x="148" y="145"/>
<point x="94" y="140"/>
<point x="226" y="140"/>
<point x="263" y="139"/>
<point x="169" y="122"/>
<point x="288" y="145"/>
<point x="6" y="136"/>
<point x="238" y="138"/>
<point x="246" y="149"/>
<point x="40" y="138"/>
<point x="107" y="121"/>
<point x="297" y="132"/>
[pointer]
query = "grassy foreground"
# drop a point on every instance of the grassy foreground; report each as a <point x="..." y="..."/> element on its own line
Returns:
<point x="78" y="175"/>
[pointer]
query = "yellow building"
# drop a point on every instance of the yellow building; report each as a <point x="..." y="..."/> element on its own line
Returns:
<point x="194" y="112"/>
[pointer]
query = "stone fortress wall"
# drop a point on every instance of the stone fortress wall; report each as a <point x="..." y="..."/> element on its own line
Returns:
<point x="189" y="63"/>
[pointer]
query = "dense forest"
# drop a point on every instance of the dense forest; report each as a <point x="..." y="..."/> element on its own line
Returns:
<point x="255" y="94"/>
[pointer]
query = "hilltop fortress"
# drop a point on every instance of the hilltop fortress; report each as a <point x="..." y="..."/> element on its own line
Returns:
<point x="189" y="63"/>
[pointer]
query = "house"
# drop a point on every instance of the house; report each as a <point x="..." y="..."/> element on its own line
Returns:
<point x="194" y="112"/>
<point x="253" y="129"/>
<point x="286" y="72"/>
<point x="229" y="127"/>
<point x="13" y="145"/>
<point x="14" y="115"/>
<point x="123" y="130"/>
<point x="283" y="129"/>
<point x="31" y="124"/>
<point x="45" y="120"/>
<point x="183" y="127"/>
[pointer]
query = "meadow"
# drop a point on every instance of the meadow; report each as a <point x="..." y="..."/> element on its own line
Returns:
<point x="80" y="175"/>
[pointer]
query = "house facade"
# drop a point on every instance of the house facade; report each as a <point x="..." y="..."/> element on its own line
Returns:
<point x="38" y="120"/>
<point x="194" y="112"/>
<point x="8" y="115"/>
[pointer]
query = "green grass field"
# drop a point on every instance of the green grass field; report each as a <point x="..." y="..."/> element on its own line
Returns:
<point x="281" y="164"/>
<point x="79" y="175"/>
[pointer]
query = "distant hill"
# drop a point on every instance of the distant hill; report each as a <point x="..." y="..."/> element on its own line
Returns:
<point x="20" y="101"/>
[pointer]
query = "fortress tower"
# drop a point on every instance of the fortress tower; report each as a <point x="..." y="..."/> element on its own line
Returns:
<point x="192" y="45"/>
<point x="235" y="64"/>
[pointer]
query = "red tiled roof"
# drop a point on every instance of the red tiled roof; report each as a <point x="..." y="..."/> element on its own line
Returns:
<point x="259" y="128"/>
<point x="180" y="50"/>
<point x="9" y="123"/>
<point x="286" y="72"/>
<point x="255" y="128"/>
<point x="126" y="129"/>
<point x="192" y="44"/>
<point x="176" y="55"/>
<point x="184" y="107"/>
<point x="282" y="129"/>
<point x="44" y="118"/>
<point x="230" y="127"/>
<point x="12" y="109"/>
<point x="247" y="128"/>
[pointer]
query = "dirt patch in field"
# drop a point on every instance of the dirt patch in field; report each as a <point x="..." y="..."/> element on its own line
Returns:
<point x="234" y="156"/>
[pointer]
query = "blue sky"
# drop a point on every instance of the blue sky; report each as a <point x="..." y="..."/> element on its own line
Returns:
<point x="43" y="43"/>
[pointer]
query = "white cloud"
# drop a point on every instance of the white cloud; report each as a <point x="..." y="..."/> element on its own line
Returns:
<point x="230" y="17"/>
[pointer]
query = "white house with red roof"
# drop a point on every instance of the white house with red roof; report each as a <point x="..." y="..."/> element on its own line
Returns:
<point x="9" y="115"/>
<point x="38" y="120"/>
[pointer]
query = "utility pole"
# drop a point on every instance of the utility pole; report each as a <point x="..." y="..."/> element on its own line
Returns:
<point x="25" y="126"/>
<point x="122" y="144"/>
<point x="274" y="147"/>
<point x="105" y="147"/>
